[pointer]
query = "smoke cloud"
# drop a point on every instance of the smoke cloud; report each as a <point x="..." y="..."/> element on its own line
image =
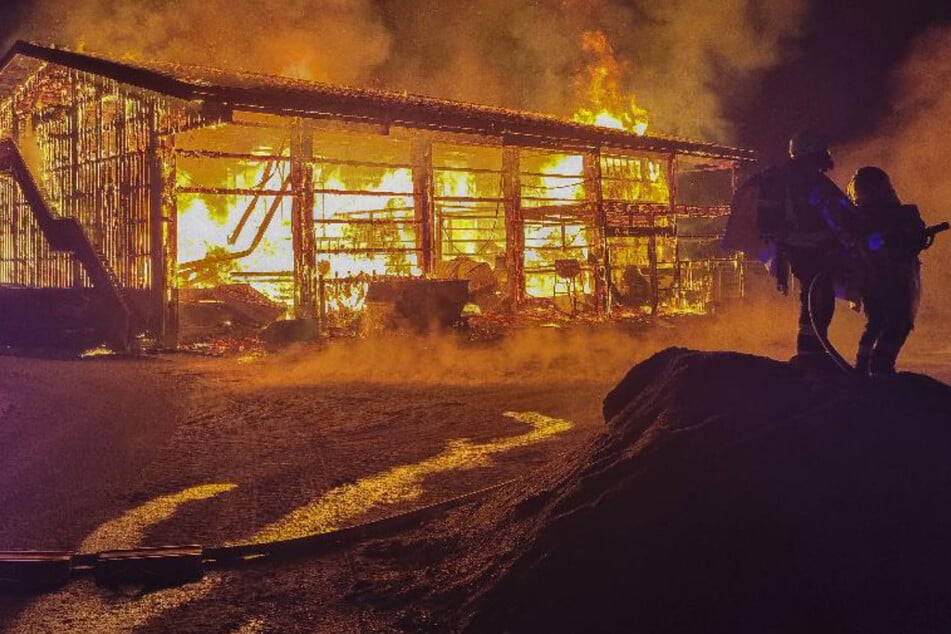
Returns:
<point x="911" y="145"/>
<point x="684" y="55"/>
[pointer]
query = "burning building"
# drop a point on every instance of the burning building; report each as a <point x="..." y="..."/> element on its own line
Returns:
<point x="144" y="187"/>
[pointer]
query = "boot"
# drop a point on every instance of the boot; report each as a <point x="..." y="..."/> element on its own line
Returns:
<point x="883" y="362"/>
<point x="863" y="360"/>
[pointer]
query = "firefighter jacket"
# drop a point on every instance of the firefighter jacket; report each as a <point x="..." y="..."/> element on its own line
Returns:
<point x="795" y="217"/>
<point x="823" y="231"/>
<point x="896" y="235"/>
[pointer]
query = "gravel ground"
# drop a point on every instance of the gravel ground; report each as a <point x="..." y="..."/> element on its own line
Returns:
<point x="113" y="453"/>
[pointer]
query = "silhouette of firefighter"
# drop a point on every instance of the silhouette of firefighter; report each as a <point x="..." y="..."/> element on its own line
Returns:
<point x="896" y="235"/>
<point x="796" y="220"/>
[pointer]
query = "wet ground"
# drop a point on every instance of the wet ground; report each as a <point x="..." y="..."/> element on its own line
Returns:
<point x="105" y="453"/>
<point x="109" y="453"/>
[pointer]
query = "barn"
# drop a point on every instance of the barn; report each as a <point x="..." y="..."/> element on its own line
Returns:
<point x="134" y="195"/>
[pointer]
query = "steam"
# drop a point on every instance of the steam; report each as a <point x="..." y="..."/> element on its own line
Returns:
<point x="684" y="54"/>
<point x="574" y="354"/>
<point x="911" y="146"/>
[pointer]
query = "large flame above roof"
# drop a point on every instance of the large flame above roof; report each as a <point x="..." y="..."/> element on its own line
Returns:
<point x="607" y="104"/>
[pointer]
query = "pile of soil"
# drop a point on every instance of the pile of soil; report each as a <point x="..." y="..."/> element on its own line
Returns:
<point x="729" y="493"/>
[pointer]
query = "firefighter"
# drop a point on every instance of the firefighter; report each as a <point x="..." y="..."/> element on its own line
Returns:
<point x="820" y="240"/>
<point x="896" y="235"/>
<point x="795" y="220"/>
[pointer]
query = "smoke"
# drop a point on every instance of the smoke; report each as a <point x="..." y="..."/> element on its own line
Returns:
<point x="911" y="145"/>
<point x="685" y="56"/>
<point x="328" y="40"/>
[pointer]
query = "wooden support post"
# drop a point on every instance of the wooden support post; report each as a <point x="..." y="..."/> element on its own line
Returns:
<point x="73" y="187"/>
<point x="514" y="224"/>
<point x="741" y="259"/>
<point x="427" y="246"/>
<point x="601" y="259"/>
<point x="95" y="223"/>
<point x="302" y="220"/>
<point x="163" y="220"/>
<point x="652" y="261"/>
<point x="672" y="210"/>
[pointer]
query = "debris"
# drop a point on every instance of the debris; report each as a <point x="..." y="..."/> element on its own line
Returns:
<point x="421" y="305"/>
<point x="484" y="288"/>
<point x="289" y="331"/>
<point x="229" y="309"/>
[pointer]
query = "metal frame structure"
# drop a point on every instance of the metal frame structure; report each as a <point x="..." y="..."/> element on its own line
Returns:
<point x="112" y="147"/>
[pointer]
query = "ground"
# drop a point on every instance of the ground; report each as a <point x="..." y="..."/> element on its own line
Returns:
<point x="107" y="452"/>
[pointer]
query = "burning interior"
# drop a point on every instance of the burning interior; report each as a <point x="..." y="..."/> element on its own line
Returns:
<point x="147" y="195"/>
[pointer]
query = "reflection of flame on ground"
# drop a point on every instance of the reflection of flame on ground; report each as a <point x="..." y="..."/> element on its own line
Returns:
<point x="88" y="610"/>
<point x="127" y="531"/>
<point x="80" y="607"/>
<point x="403" y="483"/>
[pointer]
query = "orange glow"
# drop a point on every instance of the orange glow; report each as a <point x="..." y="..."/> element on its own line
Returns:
<point x="607" y="103"/>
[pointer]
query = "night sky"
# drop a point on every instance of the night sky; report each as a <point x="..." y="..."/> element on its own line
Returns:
<point x="839" y="80"/>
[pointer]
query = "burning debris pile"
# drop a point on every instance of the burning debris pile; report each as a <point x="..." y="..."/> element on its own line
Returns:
<point x="728" y="493"/>
<point x="227" y="309"/>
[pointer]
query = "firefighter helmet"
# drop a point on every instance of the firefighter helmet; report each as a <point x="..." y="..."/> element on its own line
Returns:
<point x="871" y="186"/>
<point x="811" y="145"/>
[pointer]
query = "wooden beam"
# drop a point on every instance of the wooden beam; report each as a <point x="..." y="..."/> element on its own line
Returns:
<point x="302" y="220"/>
<point x="163" y="221"/>
<point x="73" y="208"/>
<point x="672" y="210"/>
<point x="514" y="224"/>
<point x="599" y="249"/>
<point x="427" y="246"/>
<point x="741" y="262"/>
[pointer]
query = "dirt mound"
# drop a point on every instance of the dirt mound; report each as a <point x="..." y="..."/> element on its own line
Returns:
<point x="729" y="493"/>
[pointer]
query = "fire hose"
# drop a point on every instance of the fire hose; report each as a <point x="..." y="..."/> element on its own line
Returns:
<point x="166" y="566"/>
<point x="823" y="337"/>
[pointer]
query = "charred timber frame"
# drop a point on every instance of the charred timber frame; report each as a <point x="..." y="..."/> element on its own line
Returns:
<point x="104" y="175"/>
<point x="427" y="245"/>
<point x="163" y="202"/>
<point x="734" y="185"/>
<point x="302" y="220"/>
<point x="593" y="184"/>
<point x="672" y="211"/>
<point x="514" y="224"/>
<point x="74" y="172"/>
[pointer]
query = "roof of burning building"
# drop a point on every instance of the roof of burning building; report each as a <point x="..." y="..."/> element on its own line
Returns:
<point x="282" y="95"/>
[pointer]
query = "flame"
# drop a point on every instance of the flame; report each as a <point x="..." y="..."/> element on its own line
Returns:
<point x="357" y="269"/>
<point x="557" y="240"/>
<point x="342" y="220"/>
<point x="204" y="234"/>
<point x="365" y="221"/>
<point x="607" y="103"/>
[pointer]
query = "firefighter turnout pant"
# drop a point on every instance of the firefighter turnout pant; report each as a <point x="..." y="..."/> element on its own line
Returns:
<point x="823" y="308"/>
<point x="887" y="327"/>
